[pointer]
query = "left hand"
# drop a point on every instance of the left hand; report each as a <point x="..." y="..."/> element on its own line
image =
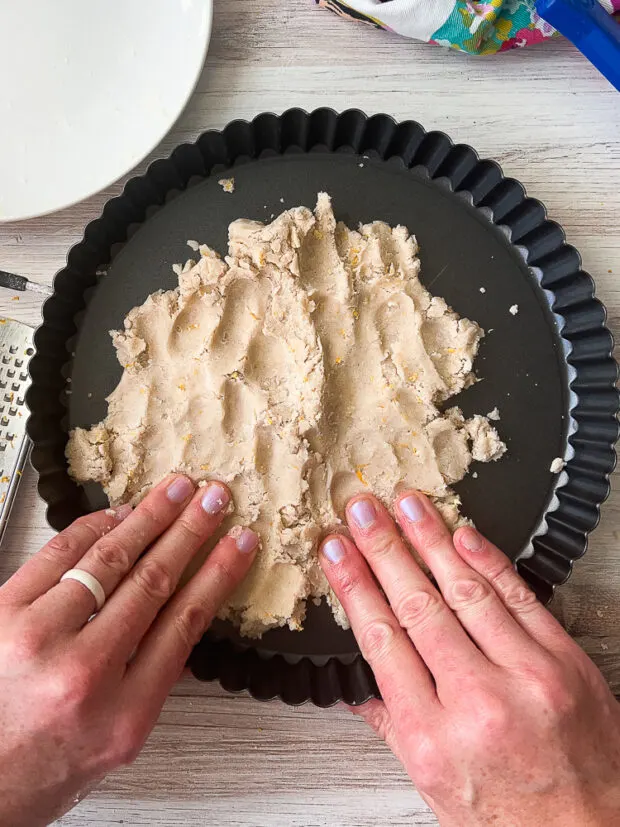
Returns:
<point x="79" y="698"/>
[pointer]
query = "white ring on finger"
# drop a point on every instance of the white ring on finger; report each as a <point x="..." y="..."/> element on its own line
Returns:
<point x="89" y="582"/>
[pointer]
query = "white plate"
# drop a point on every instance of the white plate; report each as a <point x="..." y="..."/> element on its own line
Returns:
<point x="87" y="89"/>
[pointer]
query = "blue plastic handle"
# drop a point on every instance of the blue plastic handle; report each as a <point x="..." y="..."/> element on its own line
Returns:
<point x="594" y="32"/>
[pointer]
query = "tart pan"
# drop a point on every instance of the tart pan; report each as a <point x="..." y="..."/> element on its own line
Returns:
<point x="485" y="247"/>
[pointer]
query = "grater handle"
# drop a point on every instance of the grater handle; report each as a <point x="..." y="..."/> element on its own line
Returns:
<point x="12" y="281"/>
<point x="7" y="505"/>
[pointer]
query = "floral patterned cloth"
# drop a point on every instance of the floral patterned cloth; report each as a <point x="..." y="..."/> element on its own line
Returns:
<point x="480" y="28"/>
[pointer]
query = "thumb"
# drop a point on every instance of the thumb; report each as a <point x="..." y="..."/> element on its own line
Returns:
<point x="378" y="718"/>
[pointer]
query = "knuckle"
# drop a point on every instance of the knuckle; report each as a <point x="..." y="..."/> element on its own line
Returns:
<point x="552" y="692"/>
<point x="466" y="592"/>
<point x="70" y="684"/>
<point x="519" y="597"/>
<point x="190" y="535"/>
<point x="384" y="544"/>
<point x="432" y="537"/>
<point x="111" y="555"/>
<point x="63" y="548"/>
<point x="427" y="760"/>
<point x="150" y="512"/>
<point x="22" y="647"/>
<point x="414" y="608"/>
<point x="154" y="580"/>
<point x="347" y="582"/>
<point x="191" y="624"/>
<point x="492" y="719"/>
<point x="126" y="743"/>
<point x="85" y="525"/>
<point x="502" y="579"/>
<point x="513" y="590"/>
<point x="222" y="575"/>
<point x="559" y="702"/>
<point x="377" y="639"/>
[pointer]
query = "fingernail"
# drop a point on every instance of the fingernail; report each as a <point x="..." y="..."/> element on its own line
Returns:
<point x="471" y="540"/>
<point x="363" y="513"/>
<point x="334" y="550"/>
<point x="412" y="508"/>
<point x="215" y="499"/>
<point x="246" y="540"/>
<point x="121" y="512"/>
<point x="179" y="489"/>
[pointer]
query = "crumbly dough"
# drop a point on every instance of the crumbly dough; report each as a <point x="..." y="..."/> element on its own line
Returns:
<point x="227" y="184"/>
<point x="305" y="367"/>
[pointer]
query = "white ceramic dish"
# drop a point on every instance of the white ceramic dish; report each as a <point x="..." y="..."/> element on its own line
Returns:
<point x="88" y="89"/>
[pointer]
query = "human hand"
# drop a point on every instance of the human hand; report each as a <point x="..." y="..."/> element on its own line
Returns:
<point x="497" y="715"/>
<point x="77" y="698"/>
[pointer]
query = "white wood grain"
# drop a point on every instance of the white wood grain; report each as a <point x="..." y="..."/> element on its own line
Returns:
<point x="552" y="122"/>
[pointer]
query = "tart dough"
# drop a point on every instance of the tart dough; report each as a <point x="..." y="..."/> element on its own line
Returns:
<point x="303" y="368"/>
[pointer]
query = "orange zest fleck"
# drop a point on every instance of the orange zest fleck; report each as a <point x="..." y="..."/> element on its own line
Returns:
<point x="359" y="475"/>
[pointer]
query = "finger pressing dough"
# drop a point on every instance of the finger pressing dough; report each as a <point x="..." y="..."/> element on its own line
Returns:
<point x="304" y="367"/>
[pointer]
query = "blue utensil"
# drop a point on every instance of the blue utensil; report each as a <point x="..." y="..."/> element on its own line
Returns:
<point x="594" y="32"/>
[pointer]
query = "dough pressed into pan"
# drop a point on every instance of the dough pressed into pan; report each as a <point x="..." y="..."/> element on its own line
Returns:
<point x="304" y="367"/>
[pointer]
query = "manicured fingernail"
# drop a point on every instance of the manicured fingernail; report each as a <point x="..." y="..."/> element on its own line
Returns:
<point x="363" y="513"/>
<point x="215" y="498"/>
<point x="334" y="550"/>
<point x="246" y="539"/>
<point x="179" y="489"/>
<point x="471" y="540"/>
<point x="412" y="508"/>
<point x="121" y="512"/>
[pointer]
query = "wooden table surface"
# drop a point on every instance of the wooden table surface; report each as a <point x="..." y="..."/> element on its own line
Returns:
<point x="552" y="122"/>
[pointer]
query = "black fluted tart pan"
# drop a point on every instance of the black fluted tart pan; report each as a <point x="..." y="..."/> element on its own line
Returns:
<point x="485" y="246"/>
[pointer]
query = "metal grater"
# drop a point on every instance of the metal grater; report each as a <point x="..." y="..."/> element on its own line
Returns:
<point x="16" y="348"/>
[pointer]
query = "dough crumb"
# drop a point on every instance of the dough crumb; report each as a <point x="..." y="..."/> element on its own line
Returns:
<point x="557" y="465"/>
<point x="307" y="365"/>
<point x="89" y="456"/>
<point x="227" y="184"/>
<point x="483" y="290"/>
<point x="514" y="309"/>
<point x="486" y="443"/>
<point x="494" y="415"/>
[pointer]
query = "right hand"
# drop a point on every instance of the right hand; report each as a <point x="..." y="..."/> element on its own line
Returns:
<point x="497" y="715"/>
<point x="78" y="697"/>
